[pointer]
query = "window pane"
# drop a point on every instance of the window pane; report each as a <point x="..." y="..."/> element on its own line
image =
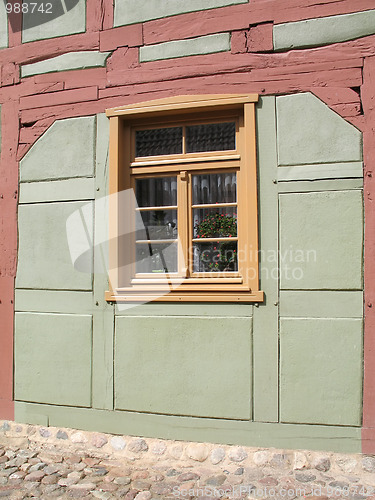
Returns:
<point x="215" y="222"/>
<point x="156" y="258"/>
<point x="215" y="188"/>
<point x="156" y="192"/>
<point x="211" y="137"/>
<point x="157" y="225"/>
<point x="159" y="141"/>
<point x="215" y="257"/>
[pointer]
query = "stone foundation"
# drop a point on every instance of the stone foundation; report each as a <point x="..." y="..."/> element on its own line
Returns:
<point x="268" y="467"/>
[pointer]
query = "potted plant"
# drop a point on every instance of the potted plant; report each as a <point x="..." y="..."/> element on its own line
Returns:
<point x="220" y="256"/>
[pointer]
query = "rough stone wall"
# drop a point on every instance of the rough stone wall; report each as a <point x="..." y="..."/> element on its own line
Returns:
<point x="61" y="460"/>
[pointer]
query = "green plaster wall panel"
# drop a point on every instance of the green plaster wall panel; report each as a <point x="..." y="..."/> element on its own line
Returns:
<point x="68" y="22"/>
<point x="33" y="417"/>
<point x="103" y="319"/>
<point x="320" y="185"/>
<point x="59" y="154"/>
<point x="320" y="171"/>
<point x="254" y="434"/>
<point x="54" y="301"/>
<point x="181" y="48"/>
<point x="129" y="12"/>
<point x="309" y="132"/>
<point x="324" y="30"/>
<point x="187" y="309"/>
<point x="53" y="358"/>
<point x="64" y="190"/>
<point x="321" y="240"/>
<point x="101" y="209"/>
<point x="193" y="366"/>
<point x="321" y="304"/>
<point x="266" y="319"/>
<point x="44" y="260"/>
<point x="3" y="26"/>
<point x="66" y="62"/>
<point x="321" y="371"/>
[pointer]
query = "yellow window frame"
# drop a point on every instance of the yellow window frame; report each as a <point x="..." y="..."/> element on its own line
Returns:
<point x="239" y="286"/>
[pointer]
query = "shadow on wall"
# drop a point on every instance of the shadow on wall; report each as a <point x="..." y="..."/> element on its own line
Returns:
<point x="37" y="12"/>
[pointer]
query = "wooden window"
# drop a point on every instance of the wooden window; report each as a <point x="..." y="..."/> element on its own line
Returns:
<point x="189" y="232"/>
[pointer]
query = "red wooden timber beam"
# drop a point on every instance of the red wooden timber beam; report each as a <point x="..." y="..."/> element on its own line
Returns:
<point x="242" y="16"/>
<point x="8" y="251"/>
<point x="368" y="101"/>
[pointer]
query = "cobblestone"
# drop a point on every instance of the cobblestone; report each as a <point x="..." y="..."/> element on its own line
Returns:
<point x="40" y="464"/>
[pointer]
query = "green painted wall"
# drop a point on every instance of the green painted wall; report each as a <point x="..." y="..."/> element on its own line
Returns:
<point x="62" y="190"/>
<point x="181" y="48"/>
<point x="66" y="62"/>
<point x="266" y="316"/>
<point x="256" y="434"/>
<point x="3" y="26"/>
<point x="129" y="12"/>
<point x="321" y="304"/>
<point x="321" y="240"/>
<point x="285" y="373"/>
<point x="65" y="137"/>
<point x="323" y="31"/>
<point x="190" y="366"/>
<point x="321" y="370"/>
<point x="317" y="136"/>
<point x="53" y="358"/>
<point x="44" y="260"/>
<point x="68" y="23"/>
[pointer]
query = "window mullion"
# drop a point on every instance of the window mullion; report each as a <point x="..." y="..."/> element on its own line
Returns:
<point x="183" y="223"/>
<point x="184" y="140"/>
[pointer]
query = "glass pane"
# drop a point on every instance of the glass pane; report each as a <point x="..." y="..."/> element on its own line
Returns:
<point x="215" y="188"/>
<point x="211" y="137"/>
<point x="156" y="258"/>
<point x="156" y="192"/>
<point x="215" y="222"/>
<point x="159" y="141"/>
<point x="215" y="257"/>
<point x="157" y="225"/>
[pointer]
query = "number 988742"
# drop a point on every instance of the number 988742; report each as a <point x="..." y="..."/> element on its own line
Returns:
<point x="28" y="8"/>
